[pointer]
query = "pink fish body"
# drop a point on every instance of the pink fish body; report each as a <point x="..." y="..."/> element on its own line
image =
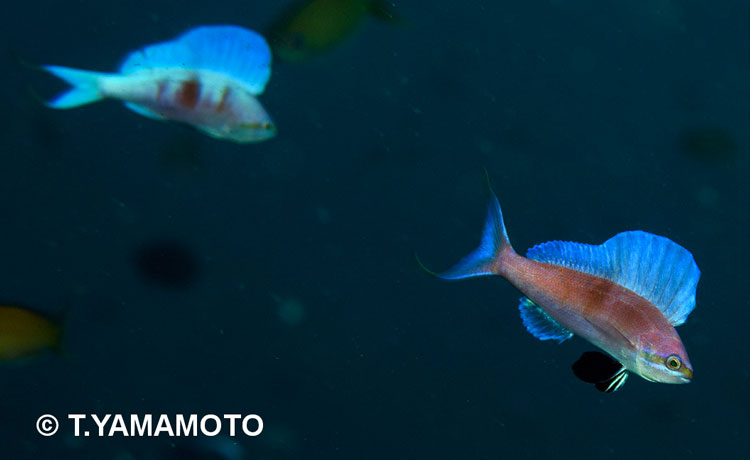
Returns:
<point x="624" y="296"/>
<point x="209" y="78"/>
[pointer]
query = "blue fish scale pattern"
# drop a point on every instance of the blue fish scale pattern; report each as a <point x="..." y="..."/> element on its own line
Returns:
<point x="652" y="266"/>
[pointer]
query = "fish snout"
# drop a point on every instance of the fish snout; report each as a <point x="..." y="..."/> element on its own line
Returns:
<point x="687" y="374"/>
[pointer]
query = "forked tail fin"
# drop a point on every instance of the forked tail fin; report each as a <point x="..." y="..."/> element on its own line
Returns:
<point x="489" y="257"/>
<point x="85" y="87"/>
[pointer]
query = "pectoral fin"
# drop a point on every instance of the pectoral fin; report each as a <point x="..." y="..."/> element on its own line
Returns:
<point x="613" y="384"/>
<point x="540" y="324"/>
<point x="606" y="373"/>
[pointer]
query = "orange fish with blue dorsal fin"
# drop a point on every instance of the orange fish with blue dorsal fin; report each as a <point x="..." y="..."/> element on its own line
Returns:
<point x="209" y="77"/>
<point x="624" y="296"/>
<point x="25" y="333"/>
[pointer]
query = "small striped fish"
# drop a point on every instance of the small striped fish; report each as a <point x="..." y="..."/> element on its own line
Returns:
<point x="209" y="78"/>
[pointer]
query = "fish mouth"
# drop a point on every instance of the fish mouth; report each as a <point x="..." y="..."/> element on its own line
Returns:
<point x="687" y="375"/>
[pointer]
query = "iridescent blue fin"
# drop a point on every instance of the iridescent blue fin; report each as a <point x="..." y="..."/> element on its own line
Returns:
<point x="158" y="56"/>
<point x="84" y="87"/>
<point x="540" y="324"/>
<point x="143" y="111"/>
<point x="654" y="267"/>
<point x="483" y="260"/>
<point x="230" y="50"/>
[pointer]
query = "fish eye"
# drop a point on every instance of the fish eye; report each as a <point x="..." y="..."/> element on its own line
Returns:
<point x="673" y="362"/>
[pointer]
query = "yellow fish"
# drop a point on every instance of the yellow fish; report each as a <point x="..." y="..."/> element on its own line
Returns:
<point x="311" y="27"/>
<point x="25" y="333"/>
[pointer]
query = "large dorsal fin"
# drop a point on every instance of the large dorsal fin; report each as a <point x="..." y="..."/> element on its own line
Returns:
<point x="231" y="50"/>
<point x="654" y="267"/>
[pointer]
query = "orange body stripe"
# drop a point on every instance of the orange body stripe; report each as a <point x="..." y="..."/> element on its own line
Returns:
<point x="189" y="94"/>
<point x="223" y="101"/>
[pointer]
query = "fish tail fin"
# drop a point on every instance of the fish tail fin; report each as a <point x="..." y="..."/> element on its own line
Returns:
<point x="383" y="11"/>
<point x="61" y="349"/>
<point x="60" y="346"/>
<point x="85" y="87"/>
<point x="59" y="339"/>
<point x="487" y="259"/>
<point x="20" y="61"/>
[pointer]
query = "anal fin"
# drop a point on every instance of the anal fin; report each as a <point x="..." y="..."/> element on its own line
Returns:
<point x="540" y="324"/>
<point x="143" y="111"/>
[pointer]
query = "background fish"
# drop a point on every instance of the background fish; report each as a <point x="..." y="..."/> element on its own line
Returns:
<point x="709" y="143"/>
<point x="208" y="77"/>
<point x="25" y="333"/>
<point x="311" y="27"/>
<point x="625" y="296"/>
